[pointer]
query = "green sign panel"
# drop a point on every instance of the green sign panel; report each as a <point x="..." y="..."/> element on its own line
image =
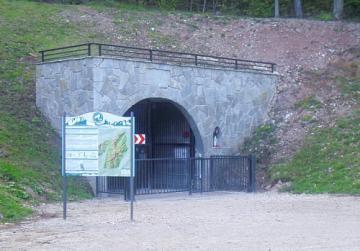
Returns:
<point x="98" y="144"/>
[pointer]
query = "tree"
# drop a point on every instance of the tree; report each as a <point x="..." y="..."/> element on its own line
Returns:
<point x="338" y="7"/>
<point x="277" y="8"/>
<point x="298" y="8"/>
<point x="204" y="6"/>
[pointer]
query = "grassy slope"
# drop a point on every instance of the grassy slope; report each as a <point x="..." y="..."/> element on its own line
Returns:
<point x="29" y="148"/>
<point x="329" y="161"/>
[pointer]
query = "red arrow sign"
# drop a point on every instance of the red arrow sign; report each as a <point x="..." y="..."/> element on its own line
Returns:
<point x="139" y="139"/>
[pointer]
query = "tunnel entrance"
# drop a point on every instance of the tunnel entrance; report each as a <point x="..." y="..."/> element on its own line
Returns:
<point x="161" y="164"/>
<point x="167" y="162"/>
<point x="168" y="133"/>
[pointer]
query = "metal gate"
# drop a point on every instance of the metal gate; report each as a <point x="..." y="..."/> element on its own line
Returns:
<point x="166" y="175"/>
<point x="168" y="134"/>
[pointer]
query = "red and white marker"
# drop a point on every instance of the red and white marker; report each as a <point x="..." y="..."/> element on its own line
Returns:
<point x="139" y="139"/>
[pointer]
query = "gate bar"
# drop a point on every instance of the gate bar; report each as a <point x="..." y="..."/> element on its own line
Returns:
<point x="252" y="173"/>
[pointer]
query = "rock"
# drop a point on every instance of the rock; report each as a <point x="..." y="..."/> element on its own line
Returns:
<point x="3" y="153"/>
<point x="280" y="186"/>
<point x="288" y="115"/>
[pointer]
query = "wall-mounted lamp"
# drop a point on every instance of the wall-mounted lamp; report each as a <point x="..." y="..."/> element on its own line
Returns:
<point x="216" y="135"/>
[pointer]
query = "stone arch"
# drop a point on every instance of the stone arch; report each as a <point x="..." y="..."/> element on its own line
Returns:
<point x="199" y="145"/>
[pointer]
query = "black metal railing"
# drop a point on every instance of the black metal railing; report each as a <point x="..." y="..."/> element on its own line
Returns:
<point x="161" y="175"/>
<point x="152" y="55"/>
<point x="166" y="175"/>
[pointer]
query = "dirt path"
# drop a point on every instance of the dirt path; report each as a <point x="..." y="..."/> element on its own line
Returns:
<point x="221" y="221"/>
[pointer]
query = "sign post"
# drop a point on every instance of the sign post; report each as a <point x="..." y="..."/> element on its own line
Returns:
<point x="132" y="172"/>
<point x="63" y="165"/>
<point x="98" y="144"/>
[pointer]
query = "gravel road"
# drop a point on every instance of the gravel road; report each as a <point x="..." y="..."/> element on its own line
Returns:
<point x="212" y="221"/>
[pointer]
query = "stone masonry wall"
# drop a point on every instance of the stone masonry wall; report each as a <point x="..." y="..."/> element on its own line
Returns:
<point x="236" y="101"/>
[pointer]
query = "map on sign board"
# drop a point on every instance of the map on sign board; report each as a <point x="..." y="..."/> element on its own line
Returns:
<point x="98" y="144"/>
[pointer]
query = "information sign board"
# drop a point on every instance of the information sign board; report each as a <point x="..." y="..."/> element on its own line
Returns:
<point x="98" y="144"/>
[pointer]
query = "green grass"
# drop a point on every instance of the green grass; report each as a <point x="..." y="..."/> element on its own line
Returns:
<point x="11" y="208"/>
<point x="106" y="4"/>
<point x="325" y="16"/>
<point x="261" y="143"/>
<point x="329" y="161"/>
<point x="349" y="87"/>
<point x="29" y="147"/>
<point x="308" y="118"/>
<point x="309" y="103"/>
<point x="160" y="39"/>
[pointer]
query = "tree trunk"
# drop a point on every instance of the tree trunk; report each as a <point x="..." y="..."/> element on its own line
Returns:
<point x="298" y="8"/>
<point x="277" y="8"/>
<point x="204" y="6"/>
<point x="338" y="8"/>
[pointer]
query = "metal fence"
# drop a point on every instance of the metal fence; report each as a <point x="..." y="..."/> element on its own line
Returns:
<point x="159" y="56"/>
<point x="223" y="173"/>
<point x="166" y="175"/>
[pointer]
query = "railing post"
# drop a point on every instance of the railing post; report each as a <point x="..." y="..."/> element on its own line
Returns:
<point x="252" y="173"/>
<point x="236" y="64"/>
<point x="127" y="187"/>
<point x="42" y="56"/>
<point x="151" y="55"/>
<point x="89" y="49"/>
<point x="201" y="174"/>
<point x="97" y="186"/>
<point x="190" y="175"/>
<point x="99" y="49"/>
<point x="253" y="167"/>
<point x="273" y="68"/>
<point x="196" y="60"/>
